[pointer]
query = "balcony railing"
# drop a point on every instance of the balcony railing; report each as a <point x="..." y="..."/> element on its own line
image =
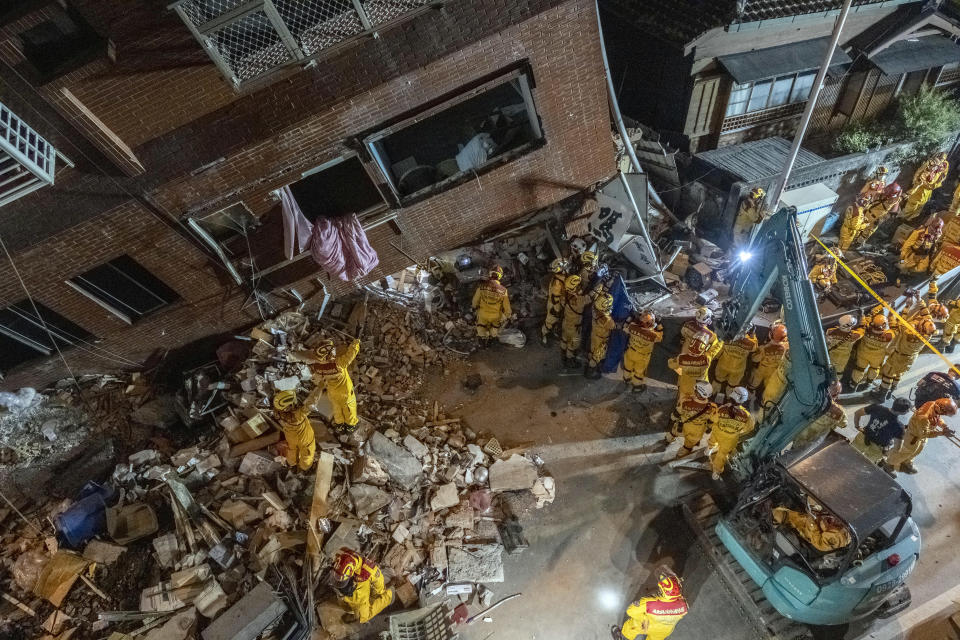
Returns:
<point x="766" y="116"/>
<point x="248" y="40"/>
<point x="27" y="161"/>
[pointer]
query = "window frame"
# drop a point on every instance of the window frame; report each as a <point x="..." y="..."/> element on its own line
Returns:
<point x="114" y="309"/>
<point x="196" y="225"/>
<point x="63" y="338"/>
<point x="369" y="211"/>
<point x="750" y="87"/>
<point x="372" y="144"/>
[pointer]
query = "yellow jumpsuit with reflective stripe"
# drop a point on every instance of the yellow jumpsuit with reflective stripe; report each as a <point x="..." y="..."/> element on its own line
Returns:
<point x="733" y="422"/>
<point x="574" y="304"/>
<point x="873" y="217"/>
<point x="749" y="215"/>
<point x="776" y="384"/>
<point x="690" y="368"/>
<point x="696" y="416"/>
<point x="370" y="596"/>
<point x="840" y="345"/>
<point x="871" y="351"/>
<point x="853" y="224"/>
<point x="657" y="617"/>
<point x="917" y="251"/>
<point x="555" y="293"/>
<point x="333" y="376"/>
<point x="600" y="330"/>
<point x="924" y="424"/>
<point x="492" y="306"/>
<point x="820" y="427"/>
<point x="906" y="347"/>
<point x="823" y="275"/>
<point x="952" y="322"/>
<point x="298" y="432"/>
<point x="636" y="357"/>
<point x="732" y="363"/>
<point x="691" y="328"/>
<point x="817" y="531"/>
<point x="919" y="193"/>
<point x="766" y="360"/>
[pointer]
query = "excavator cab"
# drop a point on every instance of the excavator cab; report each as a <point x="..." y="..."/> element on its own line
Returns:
<point x="818" y="580"/>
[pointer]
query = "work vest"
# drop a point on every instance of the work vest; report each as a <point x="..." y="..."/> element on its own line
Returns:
<point x="734" y="419"/>
<point x="641" y="339"/>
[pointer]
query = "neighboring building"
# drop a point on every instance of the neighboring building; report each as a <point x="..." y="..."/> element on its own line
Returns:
<point x="717" y="73"/>
<point x="160" y="226"/>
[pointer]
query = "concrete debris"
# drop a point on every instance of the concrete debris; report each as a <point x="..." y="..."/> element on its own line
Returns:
<point x="248" y="618"/>
<point x="416" y="447"/>
<point x="257" y="464"/>
<point x="368" y="499"/>
<point x="103" y="552"/>
<point x="513" y="474"/>
<point x="444" y="497"/>
<point x="544" y="490"/>
<point x="483" y="563"/>
<point x="401" y="465"/>
<point x="179" y="627"/>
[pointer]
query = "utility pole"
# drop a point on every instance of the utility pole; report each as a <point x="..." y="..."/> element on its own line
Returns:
<point x="781" y="184"/>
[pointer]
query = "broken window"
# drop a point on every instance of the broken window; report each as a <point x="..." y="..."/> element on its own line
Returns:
<point x="337" y="189"/>
<point x="124" y="288"/>
<point x="225" y="232"/>
<point x="458" y="137"/>
<point x="60" y="44"/>
<point x="24" y="338"/>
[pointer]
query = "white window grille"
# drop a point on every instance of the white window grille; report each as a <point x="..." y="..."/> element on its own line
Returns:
<point x="27" y="161"/>
<point x="248" y="39"/>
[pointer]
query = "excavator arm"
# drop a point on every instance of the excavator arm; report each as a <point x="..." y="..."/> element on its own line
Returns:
<point x="775" y="263"/>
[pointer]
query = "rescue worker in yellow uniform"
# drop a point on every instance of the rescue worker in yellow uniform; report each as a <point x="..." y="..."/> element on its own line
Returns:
<point x="697" y="414"/>
<point x="854" y="223"/>
<point x="600" y="330"/>
<point x="642" y="333"/>
<point x="833" y="418"/>
<point x="919" y="247"/>
<point x="294" y="421"/>
<point x="732" y="363"/>
<point x="873" y="187"/>
<point x="877" y="212"/>
<point x="917" y="196"/>
<point x="360" y="585"/>
<point x="824" y="531"/>
<point x="948" y="255"/>
<point x="696" y="328"/>
<point x="824" y="275"/>
<point x="841" y="340"/>
<point x="734" y="422"/>
<point x="951" y="325"/>
<point x="574" y="302"/>
<point x="330" y="373"/>
<point x="491" y="303"/>
<point x="903" y="353"/>
<point x="871" y="351"/>
<point x="767" y="358"/>
<point x="588" y="268"/>
<point x="749" y="215"/>
<point x="927" y="422"/>
<point x="692" y="367"/>
<point x="554" y="298"/>
<point x="776" y="384"/>
<point x="655" y="617"/>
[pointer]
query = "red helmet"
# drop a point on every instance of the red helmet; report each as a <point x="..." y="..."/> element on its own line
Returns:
<point x="669" y="586"/>
<point x="893" y="191"/>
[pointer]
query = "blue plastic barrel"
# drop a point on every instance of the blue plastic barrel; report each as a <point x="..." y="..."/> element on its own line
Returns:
<point x="86" y="517"/>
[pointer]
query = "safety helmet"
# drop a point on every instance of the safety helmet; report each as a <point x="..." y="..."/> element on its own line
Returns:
<point x="847" y="322"/>
<point x="647" y="319"/>
<point x="703" y="315"/>
<point x="739" y="395"/>
<point x="496" y="272"/>
<point x="935" y="225"/>
<point x="703" y="389"/>
<point x="945" y="407"/>
<point x="881" y="171"/>
<point x="879" y="322"/>
<point x="346" y="565"/>
<point x="926" y="327"/>
<point x="834" y="389"/>
<point x="893" y="190"/>
<point x="284" y="400"/>
<point x="862" y="201"/>
<point x="588" y="258"/>
<point x="835" y="411"/>
<point x="669" y="586"/>
<point x="603" y="303"/>
<point x="778" y="333"/>
<point x="325" y="350"/>
<point x="571" y="283"/>
<point x="558" y="265"/>
<point x="756" y="193"/>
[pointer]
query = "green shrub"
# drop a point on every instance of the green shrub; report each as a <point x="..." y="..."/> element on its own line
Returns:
<point x="926" y="119"/>
<point x="858" y="136"/>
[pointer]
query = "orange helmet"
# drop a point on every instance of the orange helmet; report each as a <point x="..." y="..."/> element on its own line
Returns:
<point x="778" y="333"/>
<point x="496" y="272"/>
<point x="879" y="322"/>
<point x="945" y="407"/>
<point x="669" y="586"/>
<point x="647" y="319"/>
<point x="893" y="191"/>
<point x="926" y="327"/>
<point x="938" y="310"/>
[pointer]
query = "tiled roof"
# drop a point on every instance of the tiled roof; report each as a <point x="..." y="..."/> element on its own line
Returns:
<point x="683" y="20"/>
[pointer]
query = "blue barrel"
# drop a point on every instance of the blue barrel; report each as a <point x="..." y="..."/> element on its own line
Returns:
<point x="86" y="517"/>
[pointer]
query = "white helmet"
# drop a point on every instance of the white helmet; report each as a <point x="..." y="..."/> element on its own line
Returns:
<point x="739" y="395"/>
<point x="847" y="322"/>
<point x="703" y="315"/>
<point x="703" y="389"/>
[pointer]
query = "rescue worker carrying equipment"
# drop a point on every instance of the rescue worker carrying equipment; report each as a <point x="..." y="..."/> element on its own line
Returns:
<point x="841" y="340"/>
<point x="824" y="275"/>
<point x="936" y="385"/>
<point x="768" y="357"/>
<point x="600" y="330"/>
<point x="732" y="363"/>
<point x="924" y="182"/>
<point x="655" y="616"/>
<point x="927" y="422"/>
<point x="749" y="215"/>
<point x="833" y="418"/>
<point x="733" y="422"/>
<point x="951" y="325"/>
<point x="697" y="414"/>
<point x="824" y="531"/>
<point x="879" y="211"/>
<point x="491" y="303"/>
<point x="360" y="585"/>
<point x="904" y="351"/>
<point x="883" y="429"/>
<point x="574" y="302"/>
<point x="918" y="248"/>
<point x="699" y="325"/>
<point x="330" y="373"/>
<point x="873" y="187"/>
<point x="853" y="223"/>
<point x="871" y="351"/>
<point x="554" y="298"/>
<point x="691" y="365"/>
<point x="642" y="333"/>
<point x="294" y="421"/>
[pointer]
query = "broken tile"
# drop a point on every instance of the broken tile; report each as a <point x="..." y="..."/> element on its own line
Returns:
<point x="513" y="474"/>
<point x="444" y="497"/>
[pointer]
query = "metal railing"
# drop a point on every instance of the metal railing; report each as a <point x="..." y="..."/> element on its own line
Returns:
<point x="27" y="160"/>
<point x="766" y="116"/>
<point x="248" y="39"/>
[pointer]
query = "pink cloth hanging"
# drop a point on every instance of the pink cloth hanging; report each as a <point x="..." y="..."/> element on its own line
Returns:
<point x="361" y="257"/>
<point x="327" y="248"/>
<point x="296" y="228"/>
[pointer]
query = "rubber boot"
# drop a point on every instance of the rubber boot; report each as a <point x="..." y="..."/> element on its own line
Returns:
<point x="907" y="467"/>
<point x="640" y="388"/>
<point x="949" y="348"/>
<point x="683" y="452"/>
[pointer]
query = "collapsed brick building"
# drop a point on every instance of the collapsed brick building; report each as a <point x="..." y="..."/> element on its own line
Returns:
<point x="162" y="225"/>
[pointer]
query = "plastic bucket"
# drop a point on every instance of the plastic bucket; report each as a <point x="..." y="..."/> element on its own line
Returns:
<point x="86" y="517"/>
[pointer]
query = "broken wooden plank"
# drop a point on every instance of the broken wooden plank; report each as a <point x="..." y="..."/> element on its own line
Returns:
<point x="319" y="507"/>
<point x="256" y="444"/>
<point x="18" y="604"/>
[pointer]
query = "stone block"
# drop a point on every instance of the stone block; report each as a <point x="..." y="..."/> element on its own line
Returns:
<point x="401" y="465"/>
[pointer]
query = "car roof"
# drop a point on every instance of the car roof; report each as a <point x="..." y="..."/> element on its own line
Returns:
<point x="853" y="488"/>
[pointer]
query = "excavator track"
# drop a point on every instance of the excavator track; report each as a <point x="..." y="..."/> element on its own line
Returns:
<point x="702" y="514"/>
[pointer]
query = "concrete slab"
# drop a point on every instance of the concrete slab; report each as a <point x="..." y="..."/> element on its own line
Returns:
<point x="247" y="619"/>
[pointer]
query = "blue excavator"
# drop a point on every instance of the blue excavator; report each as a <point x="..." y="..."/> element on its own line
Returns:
<point x="865" y="577"/>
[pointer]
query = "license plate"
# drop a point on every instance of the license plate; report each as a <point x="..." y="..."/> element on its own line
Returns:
<point x="885" y="587"/>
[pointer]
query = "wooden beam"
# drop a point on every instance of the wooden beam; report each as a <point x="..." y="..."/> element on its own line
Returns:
<point x="254" y="445"/>
<point x="318" y="509"/>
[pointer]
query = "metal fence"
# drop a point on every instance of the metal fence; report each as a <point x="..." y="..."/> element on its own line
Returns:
<point x="249" y="39"/>
<point x="27" y="161"/>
